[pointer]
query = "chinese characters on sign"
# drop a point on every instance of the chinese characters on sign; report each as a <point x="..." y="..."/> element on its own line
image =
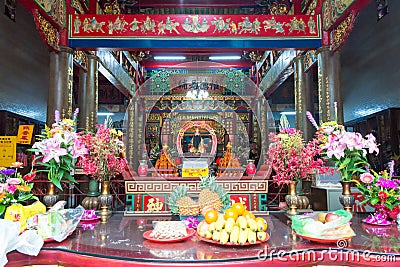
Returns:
<point x="7" y="150"/>
<point x="25" y="134"/>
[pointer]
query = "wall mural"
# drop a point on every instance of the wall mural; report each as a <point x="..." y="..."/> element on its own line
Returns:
<point x="56" y="9"/>
<point x="282" y="26"/>
<point x="332" y="10"/>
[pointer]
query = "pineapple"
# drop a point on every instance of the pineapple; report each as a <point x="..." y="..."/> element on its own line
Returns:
<point x="180" y="203"/>
<point x="213" y="194"/>
<point x="187" y="206"/>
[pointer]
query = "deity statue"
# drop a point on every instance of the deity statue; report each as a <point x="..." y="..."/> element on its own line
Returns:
<point x="197" y="143"/>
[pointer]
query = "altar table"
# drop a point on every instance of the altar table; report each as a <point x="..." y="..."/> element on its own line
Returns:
<point x="119" y="242"/>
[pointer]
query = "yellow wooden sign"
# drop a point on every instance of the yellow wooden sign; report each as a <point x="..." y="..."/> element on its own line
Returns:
<point x="25" y="134"/>
<point x="8" y="147"/>
<point x="194" y="172"/>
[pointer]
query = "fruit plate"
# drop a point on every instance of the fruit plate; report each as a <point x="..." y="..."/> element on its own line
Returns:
<point x="325" y="240"/>
<point x="229" y="244"/>
<point x="190" y="232"/>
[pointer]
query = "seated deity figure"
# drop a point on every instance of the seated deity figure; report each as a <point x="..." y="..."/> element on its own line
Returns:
<point x="197" y="143"/>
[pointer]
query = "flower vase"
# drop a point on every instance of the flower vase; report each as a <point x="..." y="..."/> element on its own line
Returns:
<point x="292" y="199"/>
<point x="105" y="200"/>
<point x="250" y="168"/>
<point x="92" y="201"/>
<point x="142" y="169"/>
<point x="50" y="198"/>
<point x="346" y="199"/>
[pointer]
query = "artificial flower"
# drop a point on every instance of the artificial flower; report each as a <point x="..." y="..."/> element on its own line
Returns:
<point x="348" y="150"/>
<point x="366" y="178"/>
<point x="58" y="150"/>
<point x="13" y="188"/>
<point x="382" y="190"/>
<point x="292" y="159"/>
<point x="105" y="158"/>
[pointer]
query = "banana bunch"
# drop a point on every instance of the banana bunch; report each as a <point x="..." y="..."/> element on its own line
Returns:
<point x="237" y="231"/>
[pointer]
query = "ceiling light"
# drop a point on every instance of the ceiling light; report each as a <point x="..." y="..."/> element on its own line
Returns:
<point x="169" y="57"/>
<point x="105" y="114"/>
<point x="288" y="113"/>
<point x="225" y="57"/>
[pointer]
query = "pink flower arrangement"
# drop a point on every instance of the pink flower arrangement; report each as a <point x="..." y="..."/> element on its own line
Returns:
<point x="59" y="149"/>
<point x="106" y="157"/>
<point x="380" y="188"/>
<point x="292" y="159"/>
<point x="14" y="188"/>
<point x="348" y="150"/>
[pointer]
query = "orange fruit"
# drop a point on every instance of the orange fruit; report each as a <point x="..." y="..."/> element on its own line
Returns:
<point x="211" y="216"/>
<point x="239" y="207"/>
<point x="231" y="213"/>
<point x="249" y="215"/>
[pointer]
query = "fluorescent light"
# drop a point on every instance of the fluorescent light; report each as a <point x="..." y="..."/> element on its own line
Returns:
<point x="105" y="114"/>
<point x="169" y="58"/>
<point x="225" y="57"/>
<point x="288" y="113"/>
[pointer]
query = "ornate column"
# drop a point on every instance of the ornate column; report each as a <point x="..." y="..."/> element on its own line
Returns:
<point x="329" y="85"/>
<point x="88" y="95"/>
<point x="263" y="126"/>
<point x="308" y="104"/>
<point x="60" y="84"/>
<point x="130" y="133"/>
<point x="299" y="88"/>
<point x="304" y="99"/>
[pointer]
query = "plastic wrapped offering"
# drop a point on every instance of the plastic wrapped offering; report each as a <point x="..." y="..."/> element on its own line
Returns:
<point x="322" y="225"/>
<point x="28" y="242"/>
<point x="56" y="224"/>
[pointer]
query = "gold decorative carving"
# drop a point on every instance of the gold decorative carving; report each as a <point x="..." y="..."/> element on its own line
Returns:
<point x="342" y="31"/>
<point x="311" y="7"/>
<point x="48" y="32"/>
<point x="140" y="55"/>
<point x="328" y="102"/>
<point x="193" y="24"/>
<point x="57" y="10"/>
<point x="310" y="58"/>
<point x="256" y="56"/>
<point x="77" y="6"/>
<point x="80" y="58"/>
<point x="112" y="8"/>
<point x="320" y="97"/>
<point x="333" y="10"/>
<point x="169" y="25"/>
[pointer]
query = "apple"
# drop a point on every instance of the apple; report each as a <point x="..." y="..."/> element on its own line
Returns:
<point x="202" y="227"/>
<point x="331" y="217"/>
